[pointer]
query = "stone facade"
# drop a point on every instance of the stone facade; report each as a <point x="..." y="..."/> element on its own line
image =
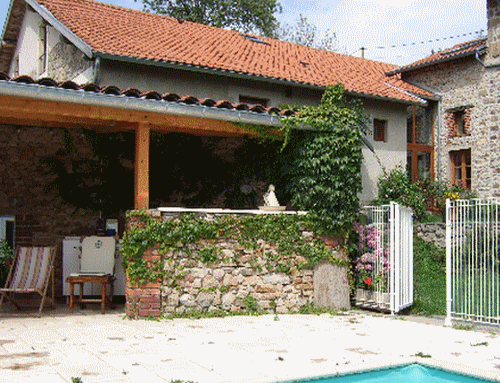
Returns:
<point x="470" y="85"/>
<point x="457" y="83"/>
<point x="41" y="216"/>
<point x="240" y="278"/>
<point x="432" y="232"/>
<point x="65" y="61"/>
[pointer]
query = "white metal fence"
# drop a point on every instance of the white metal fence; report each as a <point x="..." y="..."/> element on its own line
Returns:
<point x="472" y="260"/>
<point x="384" y="266"/>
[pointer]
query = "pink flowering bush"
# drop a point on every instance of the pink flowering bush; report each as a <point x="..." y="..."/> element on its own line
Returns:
<point x="371" y="266"/>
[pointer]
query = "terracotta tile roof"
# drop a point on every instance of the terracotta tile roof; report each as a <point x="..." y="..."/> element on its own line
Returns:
<point x="455" y="52"/>
<point x="118" y="31"/>
<point x="149" y="95"/>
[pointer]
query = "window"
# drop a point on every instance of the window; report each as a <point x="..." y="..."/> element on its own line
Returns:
<point x="42" y="49"/>
<point x="419" y="138"/>
<point x="458" y="121"/>
<point x="253" y="101"/>
<point x="7" y="230"/>
<point x="379" y="128"/>
<point x="461" y="168"/>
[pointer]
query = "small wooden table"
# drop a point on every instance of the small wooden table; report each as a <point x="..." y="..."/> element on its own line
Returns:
<point x="80" y="280"/>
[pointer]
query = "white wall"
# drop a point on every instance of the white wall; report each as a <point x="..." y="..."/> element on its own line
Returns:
<point x="391" y="153"/>
<point x="27" y="50"/>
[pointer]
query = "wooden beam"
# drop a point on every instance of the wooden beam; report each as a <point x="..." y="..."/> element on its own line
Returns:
<point x="50" y="113"/>
<point x="141" y="194"/>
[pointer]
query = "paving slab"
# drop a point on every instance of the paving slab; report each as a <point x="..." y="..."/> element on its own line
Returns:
<point x="100" y="348"/>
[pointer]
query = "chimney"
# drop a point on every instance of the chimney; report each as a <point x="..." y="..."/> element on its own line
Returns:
<point x="493" y="28"/>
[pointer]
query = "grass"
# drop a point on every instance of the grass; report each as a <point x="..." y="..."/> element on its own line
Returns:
<point x="429" y="279"/>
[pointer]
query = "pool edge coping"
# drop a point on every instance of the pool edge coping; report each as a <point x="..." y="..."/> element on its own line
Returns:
<point x="359" y="368"/>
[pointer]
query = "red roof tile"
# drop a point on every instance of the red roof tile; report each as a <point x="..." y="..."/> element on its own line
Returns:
<point x="113" y="90"/>
<point x="455" y="52"/>
<point x="124" y="32"/>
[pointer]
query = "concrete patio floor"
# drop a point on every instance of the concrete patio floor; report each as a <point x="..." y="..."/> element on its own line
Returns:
<point x="108" y="348"/>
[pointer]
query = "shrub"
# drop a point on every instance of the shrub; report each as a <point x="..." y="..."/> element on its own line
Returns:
<point x="6" y="257"/>
<point x="395" y="185"/>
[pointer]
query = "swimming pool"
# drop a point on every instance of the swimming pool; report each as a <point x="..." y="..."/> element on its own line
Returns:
<point x="414" y="373"/>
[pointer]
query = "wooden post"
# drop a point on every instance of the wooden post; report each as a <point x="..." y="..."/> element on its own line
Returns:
<point x="141" y="189"/>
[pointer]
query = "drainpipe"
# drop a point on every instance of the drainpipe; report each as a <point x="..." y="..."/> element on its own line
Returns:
<point x="437" y="97"/>
<point x="439" y="143"/>
<point x="487" y="66"/>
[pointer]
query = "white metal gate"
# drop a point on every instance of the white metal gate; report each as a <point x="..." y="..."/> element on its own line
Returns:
<point x="472" y="260"/>
<point x="384" y="266"/>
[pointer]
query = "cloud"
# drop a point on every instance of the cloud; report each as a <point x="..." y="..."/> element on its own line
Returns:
<point x="389" y="3"/>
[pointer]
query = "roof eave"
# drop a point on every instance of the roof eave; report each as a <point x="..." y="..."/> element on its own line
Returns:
<point x="39" y="92"/>
<point x="242" y="75"/>
<point x="435" y="62"/>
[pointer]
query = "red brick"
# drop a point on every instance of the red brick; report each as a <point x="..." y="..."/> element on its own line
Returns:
<point x="150" y="298"/>
<point x="145" y="313"/>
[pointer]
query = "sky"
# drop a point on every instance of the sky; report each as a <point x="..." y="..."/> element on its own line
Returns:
<point x="392" y="31"/>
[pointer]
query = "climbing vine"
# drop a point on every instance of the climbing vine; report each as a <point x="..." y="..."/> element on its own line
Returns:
<point x="190" y="234"/>
<point x="326" y="159"/>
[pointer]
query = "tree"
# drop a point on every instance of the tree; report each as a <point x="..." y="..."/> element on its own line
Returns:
<point x="305" y="33"/>
<point x="248" y="16"/>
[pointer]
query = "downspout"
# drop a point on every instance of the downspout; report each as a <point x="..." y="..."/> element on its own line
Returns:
<point x="438" y="98"/>
<point x="487" y="66"/>
<point x="439" y="142"/>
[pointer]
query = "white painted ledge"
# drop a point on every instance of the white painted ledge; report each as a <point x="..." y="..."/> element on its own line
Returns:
<point x="225" y="211"/>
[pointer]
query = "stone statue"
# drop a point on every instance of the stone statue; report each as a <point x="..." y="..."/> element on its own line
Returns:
<point x="270" y="198"/>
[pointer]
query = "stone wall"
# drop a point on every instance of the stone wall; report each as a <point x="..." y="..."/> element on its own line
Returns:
<point x="458" y="82"/>
<point x="237" y="280"/>
<point x="472" y="85"/>
<point x="434" y="232"/>
<point x="65" y="61"/>
<point x="41" y="216"/>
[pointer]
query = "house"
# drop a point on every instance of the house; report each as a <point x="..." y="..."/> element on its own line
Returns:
<point x="83" y="64"/>
<point x="464" y="80"/>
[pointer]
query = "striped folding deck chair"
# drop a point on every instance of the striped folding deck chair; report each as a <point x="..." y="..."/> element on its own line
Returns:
<point x="30" y="273"/>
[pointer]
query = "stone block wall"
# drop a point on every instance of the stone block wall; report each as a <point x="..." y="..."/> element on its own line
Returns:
<point x="240" y="278"/>
<point x="457" y="83"/>
<point x="434" y="232"/>
<point x="41" y="216"/>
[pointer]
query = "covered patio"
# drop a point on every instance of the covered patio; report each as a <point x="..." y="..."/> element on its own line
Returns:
<point x="50" y="105"/>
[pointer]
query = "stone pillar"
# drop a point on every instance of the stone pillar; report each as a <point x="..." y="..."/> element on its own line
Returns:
<point x="331" y="286"/>
<point x="144" y="300"/>
<point x="494" y="29"/>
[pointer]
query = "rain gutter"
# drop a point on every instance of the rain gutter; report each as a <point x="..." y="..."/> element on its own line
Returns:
<point x="486" y="66"/>
<point x="241" y="75"/>
<point x="92" y="54"/>
<point x="82" y="97"/>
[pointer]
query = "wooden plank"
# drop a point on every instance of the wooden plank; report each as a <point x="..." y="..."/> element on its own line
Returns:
<point x="141" y="187"/>
<point x="52" y="112"/>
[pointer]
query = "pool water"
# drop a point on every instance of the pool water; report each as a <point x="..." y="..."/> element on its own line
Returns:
<point x="414" y="373"/>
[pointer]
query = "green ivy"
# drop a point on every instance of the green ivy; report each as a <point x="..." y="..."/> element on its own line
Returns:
<point x="326" y="160"/>
<point x="283" y="231"/>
